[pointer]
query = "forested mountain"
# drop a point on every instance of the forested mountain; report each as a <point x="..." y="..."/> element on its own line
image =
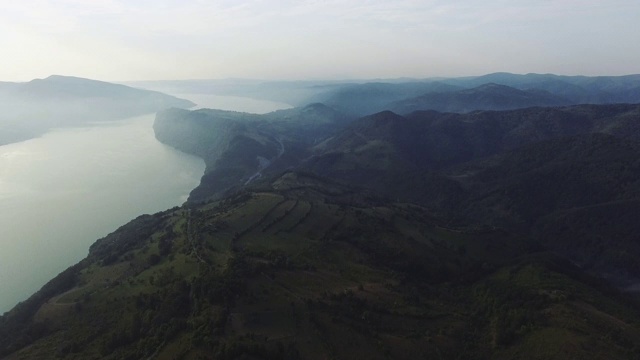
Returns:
<point x="463" y="94"/>
<point x="239" y="148"/>
<point x="577" y="89"/>
<point x="302" y="267"/>
<point x="319" y="234"/>
<point x="481" y="93"/>
<point x="508" y="169"/>
<point x="32" y="108"/>
<point x="484" y="97"/>
<point x="513" y="169"/>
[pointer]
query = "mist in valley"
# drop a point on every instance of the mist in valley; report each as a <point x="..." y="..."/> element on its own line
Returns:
<point x="309" y="179"/>
<point x="77" y="162"/>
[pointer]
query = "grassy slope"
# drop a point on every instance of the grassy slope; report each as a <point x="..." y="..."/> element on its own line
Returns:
<point x="233" y="144"/>
<point x="548" y="173"/>
<point x="304" y="268"/>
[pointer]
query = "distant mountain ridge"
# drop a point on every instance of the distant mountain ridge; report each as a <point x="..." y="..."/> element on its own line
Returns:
<point x="32" y="108"/>
<point x="439" y="160"/>
<point x="489" y="96"/>
<point x="369" y="98"/>
<point x="519" y="169"/>
<point x="240" y="147"/>
<point x="578" y="89"/>
<point x="467" y="94"/>
<point x="316" y="233"/>
<point x="437" y="140"/>
<point x="365" y="97"/>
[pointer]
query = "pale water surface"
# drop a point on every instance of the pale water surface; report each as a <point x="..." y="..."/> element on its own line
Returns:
<point x="232" y="103"/>
<point x="61" y="192"/>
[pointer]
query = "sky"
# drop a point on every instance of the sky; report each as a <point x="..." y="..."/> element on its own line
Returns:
<point x="128" y="40"/>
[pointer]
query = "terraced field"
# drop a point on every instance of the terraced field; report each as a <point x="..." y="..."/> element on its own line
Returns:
<point x="307" y="269"/>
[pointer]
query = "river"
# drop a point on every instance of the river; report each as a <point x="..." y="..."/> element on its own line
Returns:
<point x="62" y="191"/>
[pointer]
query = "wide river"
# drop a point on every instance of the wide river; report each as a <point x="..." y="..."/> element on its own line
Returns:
<point x="62" y="191"/>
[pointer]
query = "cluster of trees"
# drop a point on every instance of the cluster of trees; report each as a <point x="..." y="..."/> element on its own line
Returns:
<point x="16" y="326"/>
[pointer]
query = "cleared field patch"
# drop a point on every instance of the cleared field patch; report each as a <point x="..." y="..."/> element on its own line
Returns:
<point x="271" y="223"/>
<point x="254" y="212"/>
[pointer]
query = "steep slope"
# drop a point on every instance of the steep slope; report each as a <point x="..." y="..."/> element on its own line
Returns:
<point x="484" y="97"/>
<point x="238" y="147"/>
<point x="305" y="268"/>
<point x="577" y="195"/>
<point x="373" y="97"/>
<point x="402" y="157"/>
<point x="586" y="170"/>
<point x="430" y="235"/>
<point x="205" y="132"/>
<point x="458" y="165"/>
<point x="538" y="172"/>
<point x="385" y="152"/>
<point x="406" y="157"/>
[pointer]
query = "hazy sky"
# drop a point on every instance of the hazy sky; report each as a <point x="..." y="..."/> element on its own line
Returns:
<point x="311" y="39"/>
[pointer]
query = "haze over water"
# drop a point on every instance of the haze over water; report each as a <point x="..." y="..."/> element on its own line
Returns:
<point x="61" y="192"/>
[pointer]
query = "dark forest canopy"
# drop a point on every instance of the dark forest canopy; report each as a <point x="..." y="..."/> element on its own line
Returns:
<point x="317" y="232"/>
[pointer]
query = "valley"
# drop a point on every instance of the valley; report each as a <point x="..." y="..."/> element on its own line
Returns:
<point x="289" y="180"/>
<point x="338" y="230"/>
<point x="304" y="268"/>
<point x="62" y="191"/>
<point x="31" y="109"/>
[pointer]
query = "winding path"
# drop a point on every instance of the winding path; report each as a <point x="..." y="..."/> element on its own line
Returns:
<point x="265" y="163"/>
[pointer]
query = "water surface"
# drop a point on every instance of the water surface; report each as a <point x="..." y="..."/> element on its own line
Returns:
<point x="232" y="103"/>
<point x="62" y="191"/>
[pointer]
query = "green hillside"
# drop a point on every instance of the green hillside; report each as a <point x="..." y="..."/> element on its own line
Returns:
<point x="305" y="268"/>
<point x="239" y="148"/>
<point x="314" y="235"/>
